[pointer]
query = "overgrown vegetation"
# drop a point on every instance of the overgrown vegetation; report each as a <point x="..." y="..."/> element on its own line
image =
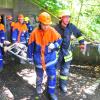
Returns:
<point x="85" y="14"/>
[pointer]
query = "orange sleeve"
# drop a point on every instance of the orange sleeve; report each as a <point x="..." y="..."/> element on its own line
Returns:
<point x="25" y="27"/>
<point x="15" y="25"/>
<point x="2" y="27"/>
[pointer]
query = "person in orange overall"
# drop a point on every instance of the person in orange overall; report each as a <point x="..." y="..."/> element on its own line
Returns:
<point x="2" y="38"/>
<point x="43" y="43"/>
<point x="20" y="32"/>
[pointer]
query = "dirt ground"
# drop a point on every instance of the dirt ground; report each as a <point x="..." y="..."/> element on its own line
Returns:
<point x="17" y="82"/>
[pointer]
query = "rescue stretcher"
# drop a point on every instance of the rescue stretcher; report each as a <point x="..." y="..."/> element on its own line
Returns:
<point x="19" y="50"/>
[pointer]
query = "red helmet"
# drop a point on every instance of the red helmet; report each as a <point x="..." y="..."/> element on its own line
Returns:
<point x="9" y="17"/>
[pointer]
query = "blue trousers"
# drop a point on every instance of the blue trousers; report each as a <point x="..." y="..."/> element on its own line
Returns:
<point x="51" y="81"/>
<point x="64" y="70"/>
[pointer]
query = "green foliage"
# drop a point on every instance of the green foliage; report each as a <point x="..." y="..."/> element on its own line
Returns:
<point x="52" y="6"/>
<point x="85" y="14"/>
<point x="89" y="21"/>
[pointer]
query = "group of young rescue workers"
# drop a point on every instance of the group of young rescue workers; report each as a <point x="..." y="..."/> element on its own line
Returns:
<point x="49" y="48"/>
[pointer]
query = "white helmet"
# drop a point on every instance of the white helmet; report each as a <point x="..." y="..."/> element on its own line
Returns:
<point x="64" y="13"/>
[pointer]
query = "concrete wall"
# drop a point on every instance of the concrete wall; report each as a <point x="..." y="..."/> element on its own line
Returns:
<point x="15" y="7"/>
<point x="6" y="4"/>
<point x="28" y="9"/>
<point x="25" y="7"/>
<point x="6" y="7"/>
<point x="91" y="56"/>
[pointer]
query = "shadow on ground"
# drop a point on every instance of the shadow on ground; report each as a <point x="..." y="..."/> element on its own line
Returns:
<point x="14" y="78"/>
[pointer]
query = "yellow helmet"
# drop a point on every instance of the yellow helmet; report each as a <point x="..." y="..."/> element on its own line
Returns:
<point x="26" y="19"/>
<point x="45" y="18"/>
<point x="64" y="13"/>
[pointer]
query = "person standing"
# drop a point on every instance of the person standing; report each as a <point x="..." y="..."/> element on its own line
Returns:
<point x="20" y="31"/>
<point x="43" y="43"/>
<point x="29" y="26"/>
<point x="66" y="29"/>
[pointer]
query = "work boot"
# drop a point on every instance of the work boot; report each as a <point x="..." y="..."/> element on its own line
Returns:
<point x="63" y="88"/>
<point x="53" y="97"/>
<point x="63" y="85"/>
<point x="39" y="90"/>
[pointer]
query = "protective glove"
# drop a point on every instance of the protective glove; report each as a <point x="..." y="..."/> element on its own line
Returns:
<point x="7" y="43"/>
<point x="83" y="48"/>
<point x="51" y="47"/>
<point x="6" y="49"/>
